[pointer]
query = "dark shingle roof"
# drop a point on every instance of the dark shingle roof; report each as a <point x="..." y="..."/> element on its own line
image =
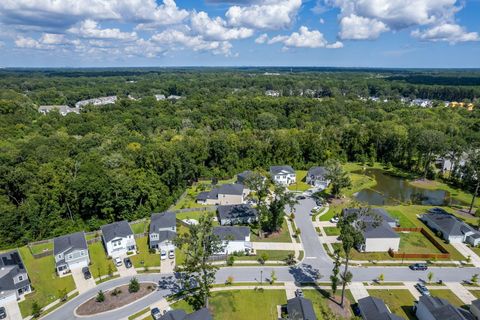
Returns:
<point x="376" y="222"/>
<point x="11" y="265"/>
<point x="441" y="309"/>
<point x="202" y="314"/>
<point x="446" y="222"/>
<point x="231" y="233"/>
<point x="299" y="308"/>
<point x="275" y="170"/>
<point x="243" y="176"/>
<point x="236" y="211"/>
<point x="317" y="172"/>
<point x="371" y="215"/>
<point x="162" y="220"/>
<point x="375" y="309"/>
<point x="232" y="189"/>
<point x="69" y="242"/>
<point x="115" y="230"/>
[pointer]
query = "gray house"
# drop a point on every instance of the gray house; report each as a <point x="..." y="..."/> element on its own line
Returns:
<point x="14" y="282"/>
<point x="202" y="314"/>
<point x="372" y="308"/>
<point x="234" y="239"/>
<point x="118" y="239"/>
<point x="317" y="177"/>
<point x="299" y="308"/>
<point x="70" y="252"/>
<point x="236" y="214"/>
<point x="234" y="193"/>
<point x="451" y="228"/>
<point x="163" y="229"/>
<point x="433" y="308"/>
<point x="475" y="308"/>
<point x="284" y="175"/>
<point x="377" y="227"/>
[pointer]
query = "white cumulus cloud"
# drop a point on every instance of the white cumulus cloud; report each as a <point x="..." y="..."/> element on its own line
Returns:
<point x="360" y="28"/>
<point x="305" y="38"/>
<point x="90" y="29"/>
<point x="270" y="14"/>
<point x="446" y="32"/>
<point x="217" y="29"/>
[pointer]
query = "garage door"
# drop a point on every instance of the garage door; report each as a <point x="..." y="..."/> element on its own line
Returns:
<point x="78" y="264"/>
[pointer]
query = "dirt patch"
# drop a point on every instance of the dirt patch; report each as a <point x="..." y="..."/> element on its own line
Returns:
<point x="339" y="201"/>
<point x="345" y="312"/>
<point x="112" y="302"/>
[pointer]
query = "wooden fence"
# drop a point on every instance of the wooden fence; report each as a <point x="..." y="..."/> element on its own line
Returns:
<point x="443" y="255"/>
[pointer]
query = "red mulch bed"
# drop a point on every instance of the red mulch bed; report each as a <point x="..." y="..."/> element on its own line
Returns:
<point x="345" y="312"/>
<point x="111" y="302"/>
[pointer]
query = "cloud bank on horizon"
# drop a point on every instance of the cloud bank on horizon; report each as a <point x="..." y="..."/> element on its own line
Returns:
<point x="96" y="30"/>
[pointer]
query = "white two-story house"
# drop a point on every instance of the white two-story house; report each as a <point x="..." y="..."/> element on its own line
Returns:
<point x="70" y="252"/>
<point x="284" y="175"/>
<point x="118" y="239"/>
<point x="163" y="229"/>
<point x="234" y="239"/>
<point x="14" y="282"/>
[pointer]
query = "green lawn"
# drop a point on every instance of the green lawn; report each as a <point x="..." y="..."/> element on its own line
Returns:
<point x="448" y="295"/>
<point x="44" y="280"/>
<point x="193" y="214"/>
<point x="139" y="227"/>
<point x="359" y="182"/>
<point x="331" y="231"/>
<point x="273" y="255"/>
<point x="399" y="301"/>
<point x="242" y="304"/>
<point x="179" y="255"/>
<point x="98" y="260"/>
<point x="300" y="185"/>
<point x="139" y="313"/>
<point x="39" y="248"/>
<point x="148" y="259"/>
<point x="476" y="293"/>
<point x="282" y="236"/>
<point x="415" y="242"/>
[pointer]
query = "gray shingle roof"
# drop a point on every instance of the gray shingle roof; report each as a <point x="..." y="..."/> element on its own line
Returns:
<point x="375" y="309"/>
<point x="11" y="265"/>
<point x="275" y="170"/>
<point x="162" y="220"/>
<point x="447" y="223"/>
<point x="441" y="309"/>
<point x="317" y="172"/>
<point x="202" y="314"/>
<point x="231" y="189"/>
<point x="299" y="308"/>
<point x="243" y="176"/>
<point x="70" y="242"/>
<point x="376" y="222"/>
<point x="231" y="233"/>
<point x="115" y="230"/>
<point x="236" y="211"/>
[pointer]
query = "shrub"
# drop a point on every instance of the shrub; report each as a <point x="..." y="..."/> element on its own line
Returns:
<point x="133" y="286"/>
<point x="230" y="261"/>
<point x="115" y="292"/>
<point x="36" y="309"/>
<point x="263" y="258"/>
<point x="229" y="281"/>
<point x="63" y="295"/>
<point x="100" y="296"/>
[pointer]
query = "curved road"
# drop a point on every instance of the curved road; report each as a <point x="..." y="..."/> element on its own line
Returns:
<point x="316" y="265"/>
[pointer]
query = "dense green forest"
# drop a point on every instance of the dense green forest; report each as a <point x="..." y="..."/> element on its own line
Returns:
<point x="60" y="174"/>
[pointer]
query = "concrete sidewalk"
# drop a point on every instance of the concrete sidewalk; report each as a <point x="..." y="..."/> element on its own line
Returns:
<point x="461" y="292"/>
<point x="466" y="251"/>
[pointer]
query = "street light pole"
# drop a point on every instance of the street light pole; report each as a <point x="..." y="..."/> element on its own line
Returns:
<point x="261" y="277"/>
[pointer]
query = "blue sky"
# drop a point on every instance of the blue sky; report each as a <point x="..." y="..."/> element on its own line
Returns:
<point x="345" y="33"/>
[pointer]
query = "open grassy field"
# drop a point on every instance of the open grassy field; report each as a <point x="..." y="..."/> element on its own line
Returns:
<point x="399" y="301"/>
<point x="415" y="242"/>
<point x="300" y="185"/>
<point x="282" y="236"/>
<point x="242" y="304"/>
<point x="144" y="257"/>
<point x="45" y="282"/>
<point x="140" y="227"/>
<point x="99" y="261"/>
<point x="39" y="248"/>
<point x="319" y="300"/>
<point x="331" y="231"/>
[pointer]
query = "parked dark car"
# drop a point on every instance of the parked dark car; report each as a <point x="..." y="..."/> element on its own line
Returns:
<point x="422" y="289"/>
<point x="156" y="314"/>
<point x="128" y="262"/>
<point x="86" y="273"/>
<point x="418" y="267"/>
<point x="301" y="198"/>
<point x="356" y="310"/>
<point x="3" y="313"/>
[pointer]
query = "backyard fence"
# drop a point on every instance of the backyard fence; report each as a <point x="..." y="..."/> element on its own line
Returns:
<point x="443" y="255"/>
<point x="206" y="208"/>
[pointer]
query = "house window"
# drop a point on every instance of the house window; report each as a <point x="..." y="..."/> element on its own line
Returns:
<point x="59" y="256"/>
<point x="82" y="253"/>
<point x="70" y="256"/>
<point x="20" y="278"/>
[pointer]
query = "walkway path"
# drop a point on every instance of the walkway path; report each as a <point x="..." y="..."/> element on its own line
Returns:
<point x="460" y="291"/>
<point x="358" y="290"/>
<point x="466" y="251"/>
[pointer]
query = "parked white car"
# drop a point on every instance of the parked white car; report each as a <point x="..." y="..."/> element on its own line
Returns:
<point x="334" y="220"/>
<point x="118" y="262"/>
<point x="163" y="255"/>
<point x="171" y="254"/>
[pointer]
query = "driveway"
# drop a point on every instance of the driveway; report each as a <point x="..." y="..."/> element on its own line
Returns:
<point x="80" y="282"/>
<point x="466" y="251"/>
<point x="167" y="266"/>
<point x="126" y="272"/>
<point x="12" y="310"/>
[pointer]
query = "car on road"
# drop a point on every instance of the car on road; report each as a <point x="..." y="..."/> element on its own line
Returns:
<point x="171" y="254"/>
<point x="418" y="267"/>
<point x="128" y="262"/>
<point x="163" y="255"/>
<point x="3" y="313"/>
<point x="156" y="314"/>
<point x="118" y="262"/>
<point x="298" y="293"/>
<point x="301" y="198"/>
<point x="422" y="289"/>
<point x="86" y="273"/>
<point x="317" y="208"/>
<point x="335" y="219"/>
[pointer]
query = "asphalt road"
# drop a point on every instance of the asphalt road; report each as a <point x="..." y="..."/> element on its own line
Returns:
<point x="316" y="265"/>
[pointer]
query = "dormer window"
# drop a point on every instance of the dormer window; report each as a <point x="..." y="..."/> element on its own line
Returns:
<point x="20" y="278"/>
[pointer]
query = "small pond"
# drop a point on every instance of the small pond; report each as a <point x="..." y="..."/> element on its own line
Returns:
<point x="391" y="190"/>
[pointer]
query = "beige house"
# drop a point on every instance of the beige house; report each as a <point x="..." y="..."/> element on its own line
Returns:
<point x="226" y="194"/>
